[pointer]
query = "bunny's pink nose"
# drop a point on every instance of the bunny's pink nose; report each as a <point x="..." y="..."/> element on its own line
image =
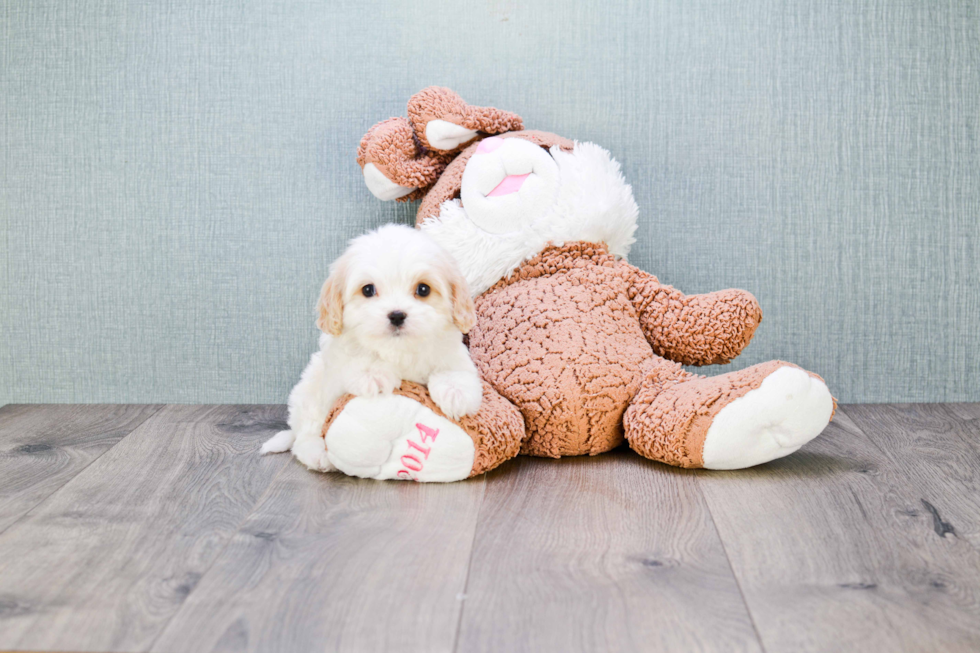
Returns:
<point x="488" y="145"/>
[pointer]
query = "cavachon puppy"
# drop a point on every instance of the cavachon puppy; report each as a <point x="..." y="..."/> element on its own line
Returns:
<point x="394" y="308"/>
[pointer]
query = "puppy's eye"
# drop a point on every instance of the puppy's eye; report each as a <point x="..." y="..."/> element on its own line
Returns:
<point x="368" y="290"/>
<point x="422" y="290"/>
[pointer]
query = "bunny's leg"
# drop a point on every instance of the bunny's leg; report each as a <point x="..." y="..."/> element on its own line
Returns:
<point x="731" y="421"/>
<point x="405" y="436"/>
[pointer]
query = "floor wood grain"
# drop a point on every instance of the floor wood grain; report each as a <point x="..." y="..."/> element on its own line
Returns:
<point x="44" y="447"/>
<point x="160" y="529"/>
<point x="613" y="553"/>
<point x="939" y="451"/>
<point x="332" y="563"/>
<point x="835" y="550"/>
<point x="106" y="561"/>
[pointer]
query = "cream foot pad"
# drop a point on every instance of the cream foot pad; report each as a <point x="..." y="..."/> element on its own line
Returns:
<point x="394" y="437"/>
<point x="786" y="411"/>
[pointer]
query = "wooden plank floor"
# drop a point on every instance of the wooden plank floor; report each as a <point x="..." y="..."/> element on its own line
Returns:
<point x="159" y="528"/>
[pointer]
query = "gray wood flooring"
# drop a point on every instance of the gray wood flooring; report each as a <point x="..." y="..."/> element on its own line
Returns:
<point x="159" y="528"/>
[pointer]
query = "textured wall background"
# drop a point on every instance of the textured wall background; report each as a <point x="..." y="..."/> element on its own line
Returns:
<point x="178" y="175"/>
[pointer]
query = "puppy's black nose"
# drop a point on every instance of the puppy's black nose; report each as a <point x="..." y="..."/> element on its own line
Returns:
<point x="397" y="318"/>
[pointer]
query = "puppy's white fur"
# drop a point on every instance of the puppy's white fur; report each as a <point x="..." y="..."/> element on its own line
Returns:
<point x="363" y="353"/>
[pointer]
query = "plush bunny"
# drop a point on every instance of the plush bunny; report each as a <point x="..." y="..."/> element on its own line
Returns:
<point x="578" y="349"/>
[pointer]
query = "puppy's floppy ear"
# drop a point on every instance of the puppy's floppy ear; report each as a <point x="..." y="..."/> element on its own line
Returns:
<point x="464" y="315"/>
<point x="330" y="307"/>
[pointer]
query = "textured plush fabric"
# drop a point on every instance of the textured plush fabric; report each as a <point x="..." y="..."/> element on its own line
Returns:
<point x="176" y="176"/>
<point x="497" y="428"/>
<point x="670" y="415"/>
<point x="391" y="146"/>
<point x="709" y="329"/>
<point x="562" y="339"/>
<point x="439" y="103"/>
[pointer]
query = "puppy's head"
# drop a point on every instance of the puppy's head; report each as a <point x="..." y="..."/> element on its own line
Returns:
<point x="394" y="285"/>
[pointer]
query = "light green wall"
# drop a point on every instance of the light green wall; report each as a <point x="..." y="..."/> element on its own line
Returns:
<point x="176" y="176"/>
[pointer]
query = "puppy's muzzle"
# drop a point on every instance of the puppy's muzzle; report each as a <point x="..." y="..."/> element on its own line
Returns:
<point x="397" y="318"/>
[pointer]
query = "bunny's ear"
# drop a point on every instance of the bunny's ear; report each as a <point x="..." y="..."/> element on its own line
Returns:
<point x="394" y="166"/>
<point x="444" y="122"/>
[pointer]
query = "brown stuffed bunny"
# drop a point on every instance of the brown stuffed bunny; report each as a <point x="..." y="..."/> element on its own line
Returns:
<point x="577" y="348"/>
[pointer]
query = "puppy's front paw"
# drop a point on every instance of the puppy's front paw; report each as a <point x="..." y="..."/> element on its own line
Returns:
<point x="372" y="382"/>
<point x="456" y="393"/>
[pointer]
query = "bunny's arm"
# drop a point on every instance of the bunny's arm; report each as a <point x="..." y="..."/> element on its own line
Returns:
<point x="693" y="329"/>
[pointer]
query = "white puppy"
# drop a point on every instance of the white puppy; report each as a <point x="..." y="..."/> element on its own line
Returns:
<point x="394" y="308"/>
